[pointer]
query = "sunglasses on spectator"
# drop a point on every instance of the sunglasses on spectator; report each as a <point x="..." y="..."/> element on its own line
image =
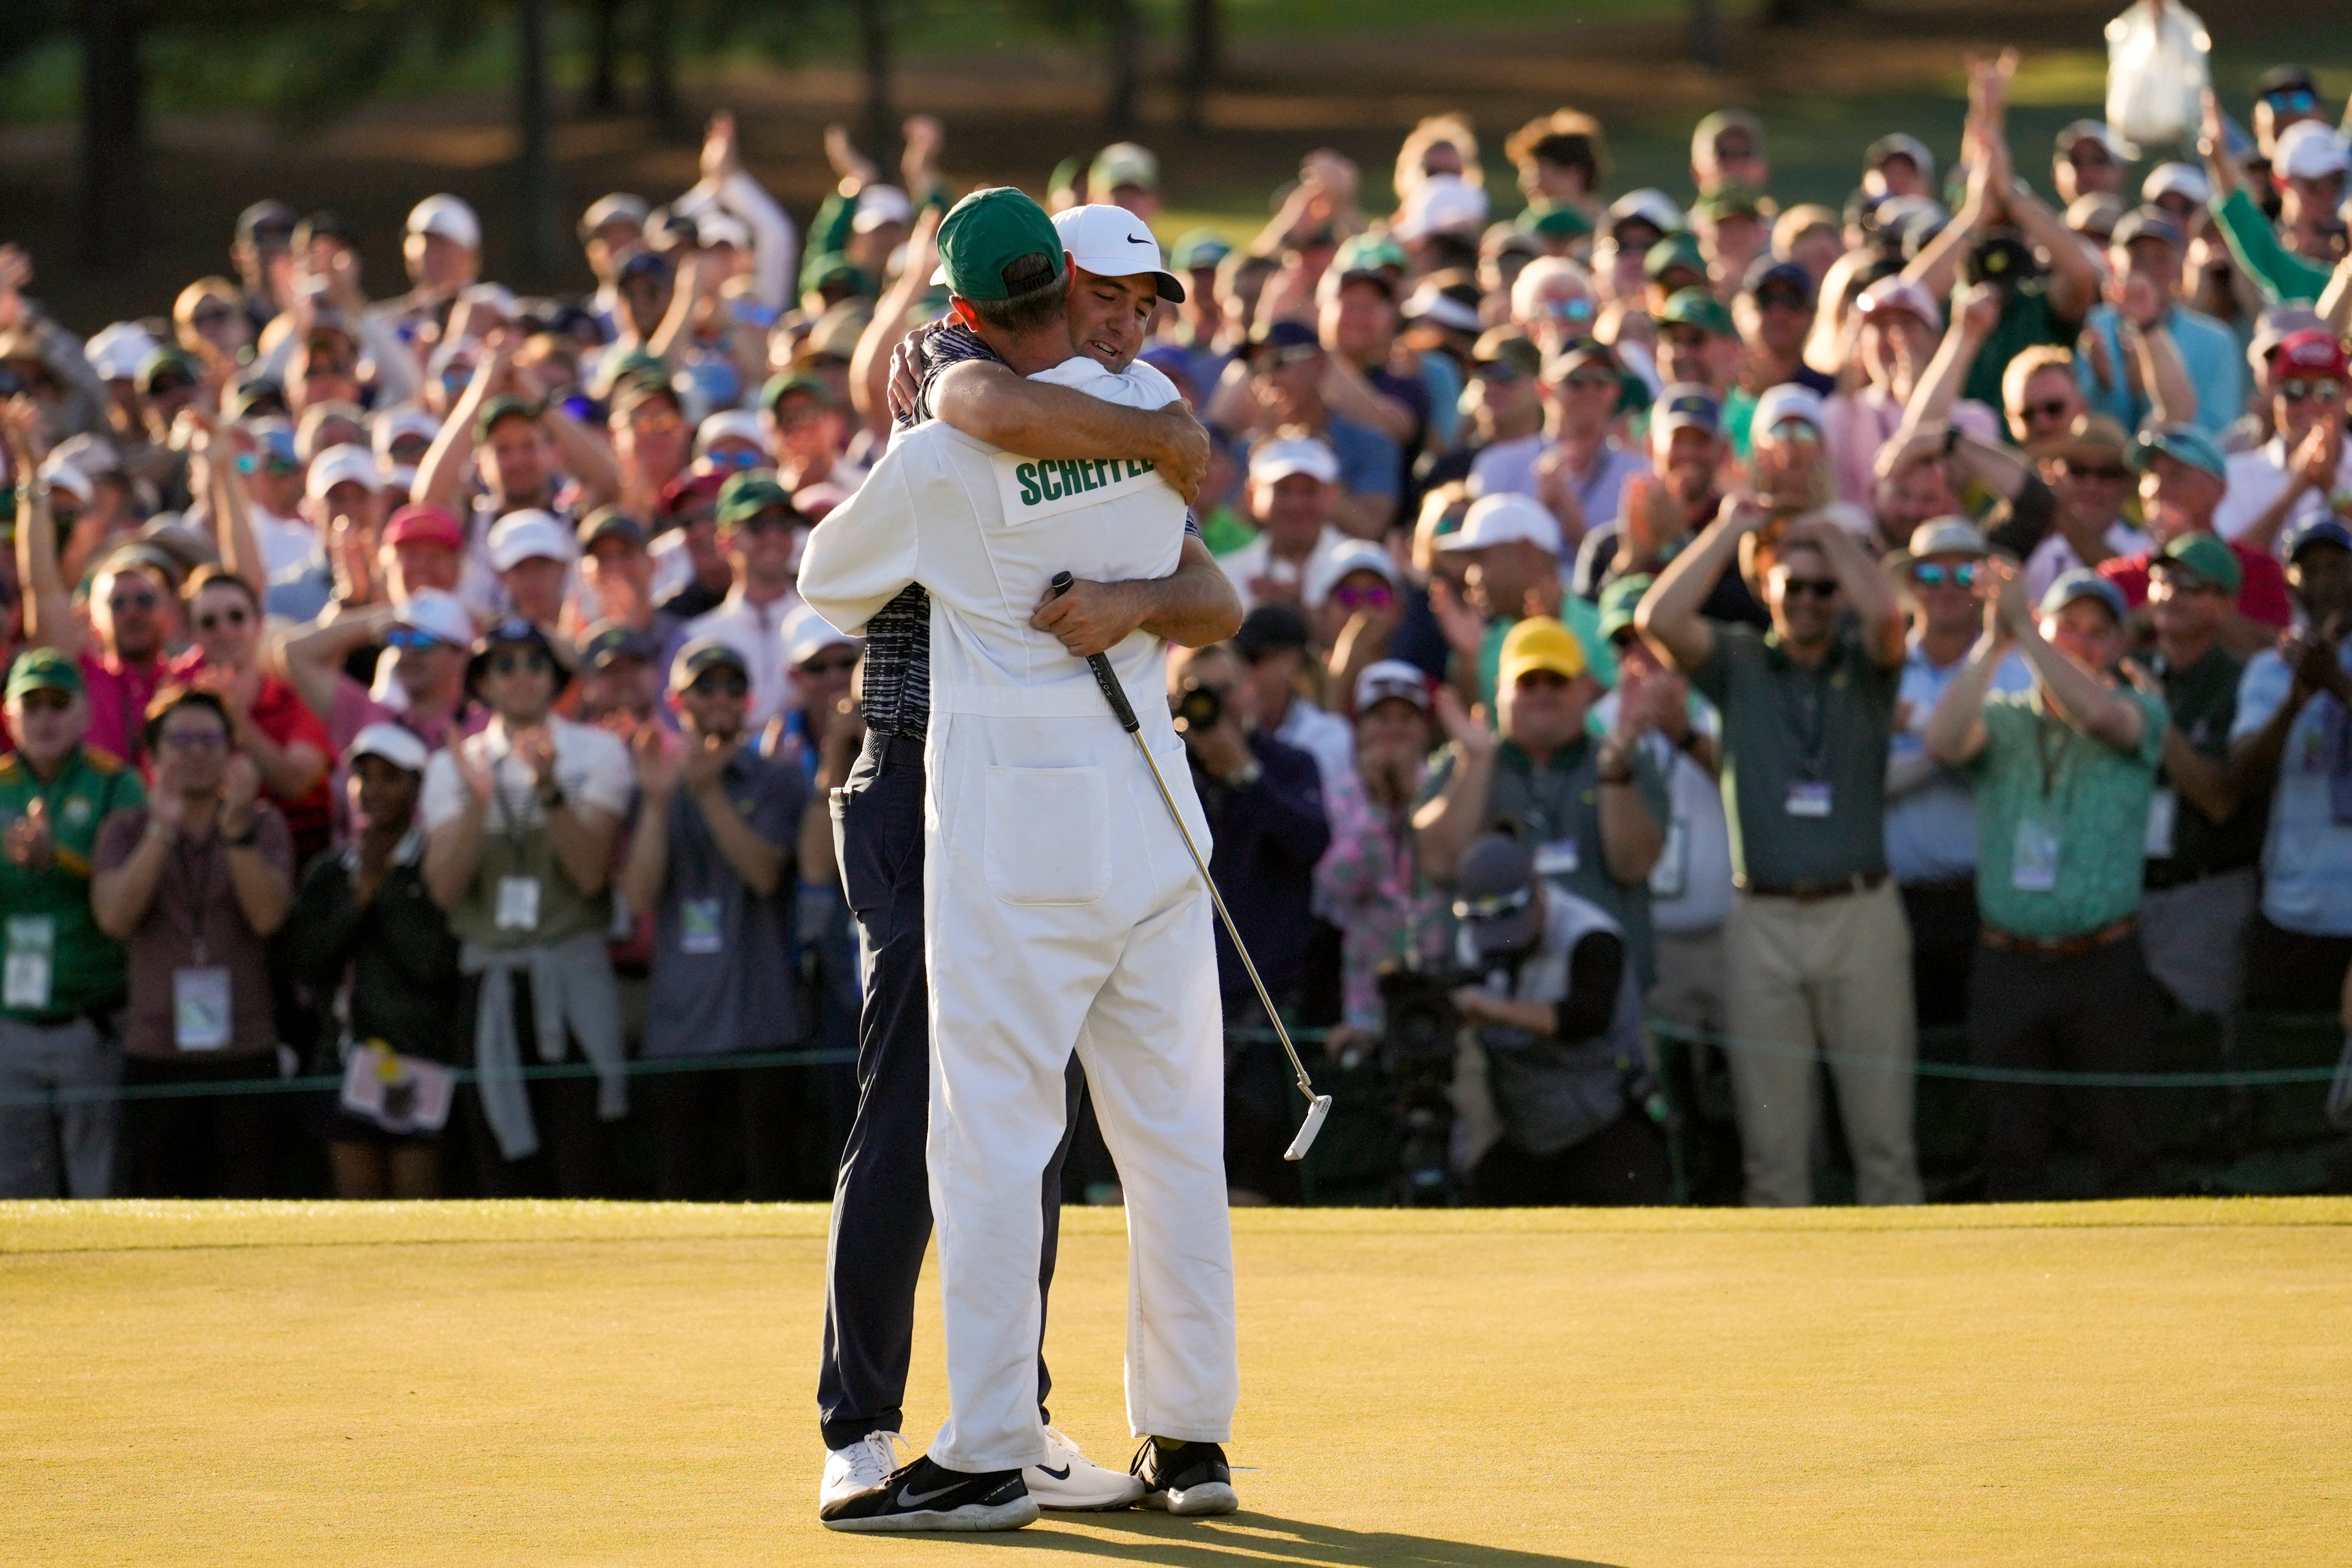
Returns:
<point x="721" y="683"/>
<point x="233" y="615"/>
<point x="2105" y="473"/>
<point x="118" y="602"/>
<point x="1786" y="430"/>
<point x="1819" y="586"/>
<point x="196" y="740"/>
<point x="839" y="664"/>
<point x="1574" y="308"/>
<point x="2048" y="408"/>
<point x="2091" y="155"/>
<point x="736" y="459"/>
<point x="657" y="419"/>
<point x="1928" y="574"/>
<point x="1493" y="908"/>
<point x="2293" y="99"/>
<point x="1378" y="596"/>
<point x="1296" y="354"/>
<point x="411" y="639"/>
<point x="527" y="662"/>
<point x="2320" y="390"/>
<point x="208" y="317"/>
<point x="46" y="699"/>
<point x="1500" y="371"/>
<point x="165" y="386"/>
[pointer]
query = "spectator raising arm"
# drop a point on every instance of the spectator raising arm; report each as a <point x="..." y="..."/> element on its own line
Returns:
<point x="48" y="607"/>
<point x="1446" y="824"/>
<point x="725" y="185"/>
<point x="313" y="657"/>
<point x="1669" y="614"/>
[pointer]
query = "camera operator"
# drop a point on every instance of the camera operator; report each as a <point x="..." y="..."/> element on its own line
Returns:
<point x="1559" y="1018"/>
<point x="1264" y="802"/>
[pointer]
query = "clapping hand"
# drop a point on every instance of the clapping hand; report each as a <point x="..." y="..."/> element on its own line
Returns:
<point x="240" y="795"/>
<point x="1466" y="726"/>
<point x="2006" y="612"/>
<point x="27" y="842"/>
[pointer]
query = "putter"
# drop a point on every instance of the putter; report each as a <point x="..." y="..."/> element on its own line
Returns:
<point x="1318" y="1106"/>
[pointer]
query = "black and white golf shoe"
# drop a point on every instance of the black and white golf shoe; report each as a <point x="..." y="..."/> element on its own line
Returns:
<point x="1191" y="1480"/>
<point x="923" y="1496"/>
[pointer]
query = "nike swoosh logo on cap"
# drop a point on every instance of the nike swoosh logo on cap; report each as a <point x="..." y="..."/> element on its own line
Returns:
<point x="1132" y="240"/>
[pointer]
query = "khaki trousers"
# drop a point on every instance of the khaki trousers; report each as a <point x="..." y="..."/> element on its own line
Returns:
<point x="1833" y="976"/>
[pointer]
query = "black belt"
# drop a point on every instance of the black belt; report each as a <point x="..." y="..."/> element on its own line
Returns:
<point x="1814" y="892"/>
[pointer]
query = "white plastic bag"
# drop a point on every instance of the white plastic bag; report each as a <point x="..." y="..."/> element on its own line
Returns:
<point x="2156" y="73"/>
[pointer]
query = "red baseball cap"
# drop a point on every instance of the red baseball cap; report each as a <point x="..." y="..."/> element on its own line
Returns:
<point x="690" y="487"/>
<point x="420" y="524"/>
<point x="2314" y="351"/>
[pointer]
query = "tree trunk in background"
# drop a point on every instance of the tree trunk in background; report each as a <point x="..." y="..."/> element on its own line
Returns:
<point x="661" y="70"/>
<point x="113" y="134"/>
<point x="534" y="174"/>
<point x="880" y="131"/>
<point x="1706" y="40"/>
<point x="603" y="95"/>
<point x="1203" y="43"/>
<point x="1123" y="25"/>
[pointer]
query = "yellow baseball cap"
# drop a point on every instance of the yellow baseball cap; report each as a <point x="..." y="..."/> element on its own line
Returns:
<point x="1541" y="643"/>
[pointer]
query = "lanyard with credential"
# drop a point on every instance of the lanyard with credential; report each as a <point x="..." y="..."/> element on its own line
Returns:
<point x="1812" y="729"/>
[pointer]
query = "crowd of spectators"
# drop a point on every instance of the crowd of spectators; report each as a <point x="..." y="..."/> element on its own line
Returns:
<point x="1706" y="642"/>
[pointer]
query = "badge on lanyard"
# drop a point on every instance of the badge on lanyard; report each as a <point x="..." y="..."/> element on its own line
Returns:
<point x="1809" y="797"/>
<point x="2163" y="816"/>
<point x="518" y="908"/>
<point x="698" y="925"/>
<point x="2033" y="868"/>
<point x="32" y="949"/>
<point x="1671" y="875"/>
<point x="200" y="1009"/>
<point x="1557" y="858"/>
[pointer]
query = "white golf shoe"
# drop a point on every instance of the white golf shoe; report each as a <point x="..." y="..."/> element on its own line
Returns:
<point x="1070" y="1480"/>
<point x="864" y="1464"/>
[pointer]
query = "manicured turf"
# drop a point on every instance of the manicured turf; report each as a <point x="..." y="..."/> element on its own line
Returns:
<point x="454" y="1384"/>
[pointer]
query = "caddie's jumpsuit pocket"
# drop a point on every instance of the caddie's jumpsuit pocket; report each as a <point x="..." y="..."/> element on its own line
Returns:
<point x="1047" y="835"/>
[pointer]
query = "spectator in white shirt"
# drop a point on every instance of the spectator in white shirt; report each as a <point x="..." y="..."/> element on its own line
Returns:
<point x="1293" y="482"/>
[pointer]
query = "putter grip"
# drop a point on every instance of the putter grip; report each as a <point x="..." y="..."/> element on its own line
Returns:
<point x="1105" y="676"/>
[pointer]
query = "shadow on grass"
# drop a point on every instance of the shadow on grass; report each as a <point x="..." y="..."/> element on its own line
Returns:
<point x="1260" y="1538"/>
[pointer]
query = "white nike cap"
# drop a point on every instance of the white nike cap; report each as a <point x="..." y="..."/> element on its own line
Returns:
<point x="1111" y="242"/>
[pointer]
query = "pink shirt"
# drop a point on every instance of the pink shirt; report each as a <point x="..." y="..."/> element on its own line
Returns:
<point x="118" y="695"/>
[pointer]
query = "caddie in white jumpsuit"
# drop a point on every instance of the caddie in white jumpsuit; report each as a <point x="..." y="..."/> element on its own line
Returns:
<point x="1063" y="914"/>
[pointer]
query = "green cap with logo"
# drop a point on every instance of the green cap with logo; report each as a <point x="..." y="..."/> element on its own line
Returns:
<point x="749" y="494"/>
<point x="1617" y="602"/>
<point x="1675" y="250"/>
<point x="1697" y="307"/>
<point x="43" y="669"/>
<point x="2204" y="557"/>
<point x="499" y="408"/>
<point x="1555" y="221"/>
<point x="780" y="387"/>
<point x="987" y="232"/>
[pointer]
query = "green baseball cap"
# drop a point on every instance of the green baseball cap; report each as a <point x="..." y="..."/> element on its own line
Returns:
<point x="1199" y="249"/>
<point x="43" y="669"/>
<point x="1618" y="602"/>
<point x="1697" y="307"/>
<point x="987" y="232"/>
<point x="499" y="408"/>
<point x="1370" y="253"/>
<point x="2204" y="557"/>
<point x="749" y="494"/>
<point x="1555" y="220"/>
<point x="781" y="387"/>
<point x="1730" y="200"/>
<point x="1675" y="250"/>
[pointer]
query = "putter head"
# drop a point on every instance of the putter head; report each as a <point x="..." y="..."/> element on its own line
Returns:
<point x="1314" y="1124"/>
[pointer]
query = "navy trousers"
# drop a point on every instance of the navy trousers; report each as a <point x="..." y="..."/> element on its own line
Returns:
<point x="881" y="1197"/>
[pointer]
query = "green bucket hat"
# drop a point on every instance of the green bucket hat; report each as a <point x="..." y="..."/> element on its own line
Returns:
<point x="43" y="669"/>
<point x="987" y="232"/>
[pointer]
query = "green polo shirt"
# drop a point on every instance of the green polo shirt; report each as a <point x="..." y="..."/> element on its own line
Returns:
<point x="2203" y="698"/>
<point x="2026" y="321"/>
<point x="1789" y="733"/>
<point x="2060" y="818"/>
<point x="1556" y="805"/>
<point x="85" y="966"/>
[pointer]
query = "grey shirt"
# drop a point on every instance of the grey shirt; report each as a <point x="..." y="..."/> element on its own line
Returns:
<point x="724" y="974"/>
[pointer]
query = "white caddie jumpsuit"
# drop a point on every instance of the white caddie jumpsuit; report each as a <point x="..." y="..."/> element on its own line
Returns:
<point x="1061" y="912"/>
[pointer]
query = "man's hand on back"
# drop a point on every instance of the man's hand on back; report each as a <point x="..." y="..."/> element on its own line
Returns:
<point x="1091" y="618"/>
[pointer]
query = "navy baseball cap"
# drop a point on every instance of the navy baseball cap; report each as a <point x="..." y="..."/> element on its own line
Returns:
<point x="2318" y="531"/>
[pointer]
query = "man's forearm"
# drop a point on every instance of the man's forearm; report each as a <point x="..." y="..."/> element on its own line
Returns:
<point x="1196" y="604"/>
<point x="1039" y="419"/>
